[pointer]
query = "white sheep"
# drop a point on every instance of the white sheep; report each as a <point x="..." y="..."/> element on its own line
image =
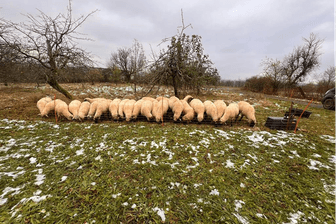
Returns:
<point x="161" y="107"/>
<point x="188" y="112"/>
<point x="154" y="107"/>
<point x="177" y="108"/>
<point x="199" y="108"/>
<point x="146" y="109"/>
<point x="42" y="102"/>
<point x="83" y="110"/>
<point x="231" y="112"/>
<point x="62" y="109"/>
<point x="102" y="107"/>
<point x="148" y="98"/>
<point x="121" y="108"/>
<point x="49" y="107"/>
<point x="188" y="98"/>
<point x="221" y="106"/>
<point x="247" y="110"/>
<point x="211" y="110"/>
<point x="114" y="108"/>
<point x="91" y="100"/>
<point x="171" y="101"/>
<point x="93" y="108"/>
<point x="137" y="109"/>
<point x="161" y="97"/>
<point x="128" y="109"/>
<point x="74" y="108"/>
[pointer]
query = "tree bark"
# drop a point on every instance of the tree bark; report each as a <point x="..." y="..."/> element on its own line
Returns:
<point x="54" y="84"/>
<point x="175" y="87"/>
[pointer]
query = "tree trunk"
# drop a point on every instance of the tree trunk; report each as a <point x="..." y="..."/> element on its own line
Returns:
<point x="175" y="87"/>
<point x="302" y="92"/>
<point x="54" y="84"/>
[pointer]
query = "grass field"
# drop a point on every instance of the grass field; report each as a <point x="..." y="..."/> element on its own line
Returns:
<point x="142" y="172"/>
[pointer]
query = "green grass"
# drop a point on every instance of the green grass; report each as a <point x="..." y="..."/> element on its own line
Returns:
<point x="147" y="173"/>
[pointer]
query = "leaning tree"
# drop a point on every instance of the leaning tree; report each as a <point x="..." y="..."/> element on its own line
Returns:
<point x="302" y="61"/>
<point x="50" y="42"/>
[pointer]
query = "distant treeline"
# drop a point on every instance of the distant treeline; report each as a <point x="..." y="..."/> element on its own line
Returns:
<point x="34" y="73"/>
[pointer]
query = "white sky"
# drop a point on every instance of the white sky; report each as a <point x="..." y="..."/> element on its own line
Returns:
<point x="236" y="34"/>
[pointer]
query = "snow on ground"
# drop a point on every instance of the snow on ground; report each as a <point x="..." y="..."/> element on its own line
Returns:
<point x="151" y="152"/>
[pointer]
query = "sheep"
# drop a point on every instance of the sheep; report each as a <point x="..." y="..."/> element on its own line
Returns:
<point x="102" y="107"/>
<point x="211" y="110"/>
<point x="161" y="108"/>
<point x="62" y="108"/>
<point x="161" y="97"/>
<point x="221" y="106"/>
<point x="188" y="98"/>
<point x="121" y="108"/>
<point x="231" y="112"/>
<point x="199" y="108"/>
<point x="74" y="108"/>
<point x="154" y="107"/>
<point x="148" y="98"/>
<point x="128" y="109"/>
<point x="42" y="102"/>
<point x="91" y="100"/>
<point x="177" y="108"/>
<point x="188" y="111"/>
<point x="247" y="110"/>
<point x="137" y="109"/>
<point x="114" y="108"/>
<point x="146" y="109"/>
<point x="49" y="107"/>
<point x="83" y="110"/>
<point x="93" y="108"/>
<point x="171" y="101"/>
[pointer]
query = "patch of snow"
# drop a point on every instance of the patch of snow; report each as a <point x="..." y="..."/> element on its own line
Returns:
<point x="214" y="192"/>
<point x="32" y="160"/>
<point x="332" y="159"/>
<point x="40" y="177"/>
<point x="294" y="217"/>
<point x="160" y="213"/>
<point x="116" y="195"/>
<point x="238" y="204"/>
<point x="314" y="163"/>
<point x="328" y="138"/>
<point x="80" y="152"/>
<point x="229" y="164"/>
<point x="316" y="155"/>
<point x="241" y="218"/>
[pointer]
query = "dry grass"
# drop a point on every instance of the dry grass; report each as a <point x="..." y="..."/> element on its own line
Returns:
<point x="18" y="101"/>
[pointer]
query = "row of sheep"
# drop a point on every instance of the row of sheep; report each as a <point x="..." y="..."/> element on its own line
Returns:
<point x="185" y="110"/>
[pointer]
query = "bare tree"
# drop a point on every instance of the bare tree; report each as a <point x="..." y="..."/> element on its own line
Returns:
<point x="273" y="69"/>
<point x="295" y="67"/>
<point x="326" y="80"/>
<point x="51" y="42"/>
<point x="302" y="61"/>
<point x="131" y="61"/>
<point x="184" y="63"/>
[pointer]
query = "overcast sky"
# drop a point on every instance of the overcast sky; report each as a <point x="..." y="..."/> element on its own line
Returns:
<point x="236" y="34"/>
